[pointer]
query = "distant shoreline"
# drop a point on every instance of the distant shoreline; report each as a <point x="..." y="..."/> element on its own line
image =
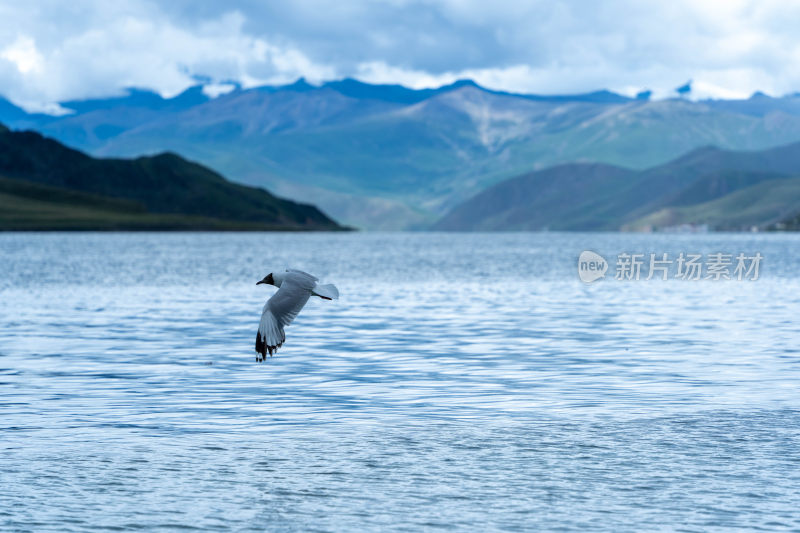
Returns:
<point x="177" y="230"/>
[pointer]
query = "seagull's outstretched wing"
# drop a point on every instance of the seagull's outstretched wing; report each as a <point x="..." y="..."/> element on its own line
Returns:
<point x="281" y="309"/>
<point x="292" y="296"/>
<point x="270" y="334"/>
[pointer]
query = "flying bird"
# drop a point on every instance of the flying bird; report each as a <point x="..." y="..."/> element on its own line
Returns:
<point x="294" y="289"/>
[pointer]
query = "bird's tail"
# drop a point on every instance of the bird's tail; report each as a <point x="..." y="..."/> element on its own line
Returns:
<point x="329" y="291"/>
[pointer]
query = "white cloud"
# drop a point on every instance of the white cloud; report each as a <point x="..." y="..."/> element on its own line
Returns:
<point x="23" y="54"/>
<point x="148" y="52"/>
<point x="53" y="51"/>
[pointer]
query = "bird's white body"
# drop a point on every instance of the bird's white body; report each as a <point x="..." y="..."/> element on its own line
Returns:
<point x="294" y="289"/>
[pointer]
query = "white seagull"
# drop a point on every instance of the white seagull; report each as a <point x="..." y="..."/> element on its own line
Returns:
<point x="294" y="289"/>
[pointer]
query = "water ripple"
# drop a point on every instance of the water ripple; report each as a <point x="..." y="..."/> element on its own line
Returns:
<point x="465" y="382"/>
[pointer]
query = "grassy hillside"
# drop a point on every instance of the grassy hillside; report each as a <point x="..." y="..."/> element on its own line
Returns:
<point x="433" y="154"/>
<point x="707" y="186"/>
<point x="59" y="187"/>
<point x="565" y="197"/>
<point x="31" y="206"/>
<point x="761" y="206"/>
<point x="391" y="157"/>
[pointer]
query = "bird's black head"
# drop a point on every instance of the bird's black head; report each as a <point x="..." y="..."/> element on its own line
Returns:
<point x="269" y="280"/>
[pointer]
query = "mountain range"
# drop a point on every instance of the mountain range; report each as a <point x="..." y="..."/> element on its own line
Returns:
<point x="709" y="187"/>
<point x="45" y="185"/>
<point x="390" y="157"/>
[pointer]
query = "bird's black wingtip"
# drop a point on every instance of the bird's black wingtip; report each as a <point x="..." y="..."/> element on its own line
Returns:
<point x="262" y="348"/>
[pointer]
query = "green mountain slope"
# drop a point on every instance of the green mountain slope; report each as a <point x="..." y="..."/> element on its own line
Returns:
<point x="564" y="197"/>
<point x="431" y="155"/>
<point x="681" y="181"/>
<point x="760" y="206"/>
<point x="390" y="157"/>
<point x="31" y="206"/>
<point x="48" y="182"/>
<point x="595" y="197"/>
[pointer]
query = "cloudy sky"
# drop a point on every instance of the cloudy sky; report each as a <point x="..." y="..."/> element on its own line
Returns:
<point x="53" y="51"/>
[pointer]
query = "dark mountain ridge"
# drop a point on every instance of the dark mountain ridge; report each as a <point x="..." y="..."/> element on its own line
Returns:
<point x="165" y="184"/>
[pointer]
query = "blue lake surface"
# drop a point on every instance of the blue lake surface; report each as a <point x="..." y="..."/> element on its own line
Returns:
<point x="462" y="382"/>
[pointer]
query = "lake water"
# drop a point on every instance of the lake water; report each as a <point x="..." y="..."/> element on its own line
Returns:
<point x="462" y="382"/>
